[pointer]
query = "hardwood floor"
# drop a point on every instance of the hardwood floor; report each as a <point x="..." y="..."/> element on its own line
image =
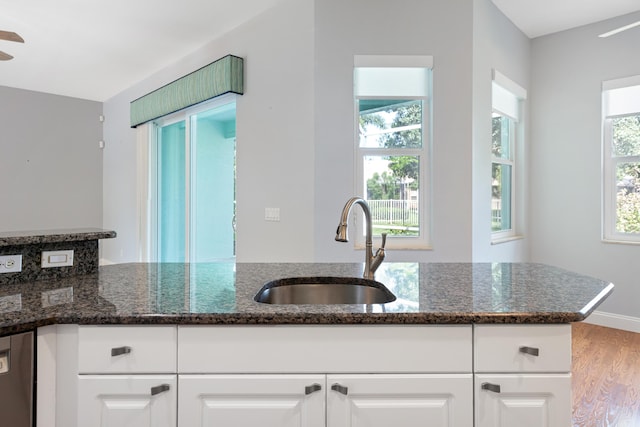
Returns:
<point x="606" y="377"/>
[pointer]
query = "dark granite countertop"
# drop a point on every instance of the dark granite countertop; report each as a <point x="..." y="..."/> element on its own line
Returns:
<point x="222" y="293"/>
<point x="30" y="237"/>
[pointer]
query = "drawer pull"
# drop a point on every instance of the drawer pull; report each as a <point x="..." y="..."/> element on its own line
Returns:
<point x="312" y="388"/>
<point x="340" y="388"/>
<point x="118" y="351"/>
<point x="530" y="350"/>
<point x="159" y="389"/>
<point x="490" y="387"/>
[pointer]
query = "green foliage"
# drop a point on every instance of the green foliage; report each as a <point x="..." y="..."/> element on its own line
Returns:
<point x="372" y="120"/>
<point x="405" y="167"/>
<point x="626" y="136"/>
<point x="628" y="212"/>
<point x="407" y="114"/>
<point x="626" y="142"/>
<point x="382" y="187"/>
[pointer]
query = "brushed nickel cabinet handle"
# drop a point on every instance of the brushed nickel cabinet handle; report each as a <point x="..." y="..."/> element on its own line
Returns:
<point x="490" y="387"/>
<point x="118" y="351"/>
<point x="340" y="388"/>
<point x="312" y="388"/>
<point x="530" y="350"/>
<point x="159" y="389"/>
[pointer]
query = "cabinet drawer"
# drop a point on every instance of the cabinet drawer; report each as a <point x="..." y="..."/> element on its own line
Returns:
<point x="513" y="348"/>
<point x="324" y="348"/>
<point x="126" y="349"/>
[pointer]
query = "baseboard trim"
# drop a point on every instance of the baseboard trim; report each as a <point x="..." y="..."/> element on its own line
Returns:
<point x="612" y="320"/>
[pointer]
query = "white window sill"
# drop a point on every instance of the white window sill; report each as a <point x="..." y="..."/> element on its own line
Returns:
<point x="500" y="240"/>
<point x="621" y="242"/>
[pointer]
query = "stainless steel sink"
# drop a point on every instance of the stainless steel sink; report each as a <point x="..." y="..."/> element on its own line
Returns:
<point x="324" y="290"/>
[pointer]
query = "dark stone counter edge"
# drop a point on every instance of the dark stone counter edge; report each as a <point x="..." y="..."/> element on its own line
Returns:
<point x="46" y="236"/>
<point x="231" y="319"/>
<point x="302" y="318"/>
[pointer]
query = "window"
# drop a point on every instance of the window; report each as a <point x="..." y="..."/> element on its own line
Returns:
<point x="190" y="185"/>
<point x="621" y="160"/>
<point x="393" y="108"/>
<point x="502" y="176"/>
<point x="506" y="125"/>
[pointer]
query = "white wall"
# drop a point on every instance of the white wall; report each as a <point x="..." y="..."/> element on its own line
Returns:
<point x="274" y="138"/>
<point x="500" y="45"/>
<point x="50" y="162"/>
<point x="442" y="28"/>
<point x="567" y="70"/>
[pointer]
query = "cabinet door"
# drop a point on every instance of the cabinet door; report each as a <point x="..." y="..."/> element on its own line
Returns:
<point x="523" y="400"/>
<point x="438" y="400"/>
<point x="127" y="400"/>
<point x="251" y="400"/>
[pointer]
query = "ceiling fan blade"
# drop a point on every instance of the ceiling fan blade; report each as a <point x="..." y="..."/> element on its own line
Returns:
<point x="11" y="36"/>
<point x="619" y="30"/>
<point x="5" y="56"/>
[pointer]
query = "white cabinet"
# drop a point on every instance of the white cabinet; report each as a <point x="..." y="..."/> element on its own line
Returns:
<point x="251" y="400"/>
<point x="362" y="400"/>
<point x="435" y="400"/>
<point x="401" y="376"/>
<point x="305" y="375"/>
<point x="143" y="393"/>
<point x="522" y="375"/>
<point x="127" y="400"/>
<point x="523" y="400"/>
<point x="127" y="349"/>
<point x="325" y="348"/>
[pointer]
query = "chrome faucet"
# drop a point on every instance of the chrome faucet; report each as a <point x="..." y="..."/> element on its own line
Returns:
<point x="371" y="262"/>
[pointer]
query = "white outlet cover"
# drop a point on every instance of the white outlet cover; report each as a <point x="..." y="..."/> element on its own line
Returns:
<point x="10" y="263"/>
<point x="57" y="259"/>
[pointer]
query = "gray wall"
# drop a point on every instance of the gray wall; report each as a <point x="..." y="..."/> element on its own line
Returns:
<point x="274" y="139"/>
<point x="567" y="71"/>
<point x="50" y="162"/>
<point x="441" y="28"/>
<point x="499" y="45"/>
<point x="296" y="124"/>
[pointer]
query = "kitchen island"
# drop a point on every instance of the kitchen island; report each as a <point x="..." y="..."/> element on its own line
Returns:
<point x="463" y="344"/>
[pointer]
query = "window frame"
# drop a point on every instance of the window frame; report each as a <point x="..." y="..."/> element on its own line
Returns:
<point x="508" y="99"/>
<point x="611" y="111"/>
<point x="423" y="241"/>
<point x="510" y="161"/>
<point x="610" y="184"/>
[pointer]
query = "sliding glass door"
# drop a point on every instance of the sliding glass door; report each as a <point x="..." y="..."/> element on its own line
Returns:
<point x="192" y="178"/>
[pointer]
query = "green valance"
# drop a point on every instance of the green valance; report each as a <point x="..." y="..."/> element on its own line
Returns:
<point x="226" y="75"/>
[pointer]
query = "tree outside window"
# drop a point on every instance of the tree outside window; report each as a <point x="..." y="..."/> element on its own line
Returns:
<point x="621" y="160"/>
<point x="625" y="141"/>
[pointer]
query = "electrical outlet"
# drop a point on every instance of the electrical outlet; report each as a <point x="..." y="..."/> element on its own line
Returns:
<point x="56" y="259"/>
<point x="10" y="263"/>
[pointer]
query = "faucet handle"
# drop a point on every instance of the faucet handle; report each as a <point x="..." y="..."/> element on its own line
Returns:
<point x="384" y="240"/>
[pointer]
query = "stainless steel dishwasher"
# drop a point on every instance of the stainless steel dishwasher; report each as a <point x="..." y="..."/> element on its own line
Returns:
<point x="16" y="380"/>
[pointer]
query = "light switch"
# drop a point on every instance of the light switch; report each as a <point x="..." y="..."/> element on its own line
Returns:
<point x="272" y="214"/>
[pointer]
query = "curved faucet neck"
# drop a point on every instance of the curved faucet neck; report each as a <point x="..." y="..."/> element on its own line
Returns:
<point x="341" y="234"/>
